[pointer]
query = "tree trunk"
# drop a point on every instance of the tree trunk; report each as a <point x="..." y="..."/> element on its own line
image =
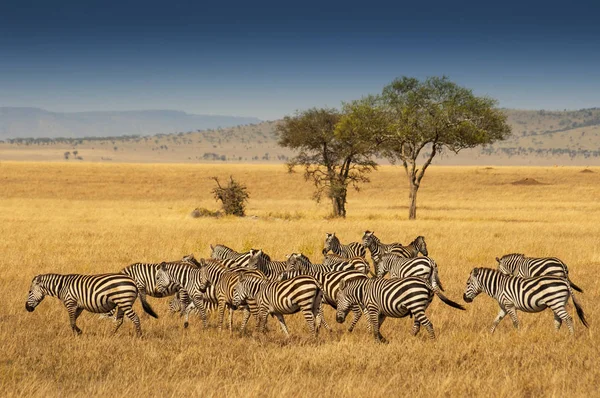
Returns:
<point x="412" y="209"/>
<point x="339" y="205"/>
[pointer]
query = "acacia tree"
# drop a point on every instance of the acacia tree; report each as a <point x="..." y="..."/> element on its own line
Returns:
<point x="426" y="118"/>
<point x="332" y="152"/>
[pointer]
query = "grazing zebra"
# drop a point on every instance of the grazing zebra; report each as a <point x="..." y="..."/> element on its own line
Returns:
<point x="262" y="262"/>
<point x="187" y="279"/>
<point x="94" y="293"/>
<point x="524" y="294"/>
<point x="338" y="263"/>
<point x="394" y="298"/>
<point x="400" y="267"/>
<point x="264" y="297"/>
<point x="330" y="282"/>
<point x="353" y="249"/>
<point x="517" y="264"/>
<point x="377" y="249"/>
<point x="222" y="252"/>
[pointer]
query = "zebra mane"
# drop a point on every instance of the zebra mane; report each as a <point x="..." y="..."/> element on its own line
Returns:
<point x="513" y="255"/>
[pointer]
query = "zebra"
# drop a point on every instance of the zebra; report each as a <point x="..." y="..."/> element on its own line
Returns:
<point x="377" y="249"/>
<point x="394" y="298"/>
<point x="400" y="267"/>
<point x="94" y="293"/>
<point x="262" y="262"/>
<point x="330" y="283"/>
<point x="264" y="297"/>
<point x="524" y="294"/>
<point x="338" y="263"/>
<point x="517" y="264"/>
<point x="222" y="252"/>
<point x="187" y="279"/>
<point x="353" y="249"/>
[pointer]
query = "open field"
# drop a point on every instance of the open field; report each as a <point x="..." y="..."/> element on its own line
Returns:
<point x="94" y="218"/>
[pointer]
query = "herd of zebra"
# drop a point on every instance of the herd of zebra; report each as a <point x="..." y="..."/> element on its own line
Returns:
<point x="254" y="284"/>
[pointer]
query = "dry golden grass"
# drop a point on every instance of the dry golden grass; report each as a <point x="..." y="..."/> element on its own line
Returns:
<point x="93" y="218"/>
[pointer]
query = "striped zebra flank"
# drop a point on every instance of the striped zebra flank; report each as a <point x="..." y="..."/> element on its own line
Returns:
<point x="353" y="249"/>
<point x="401" y="267"/>
<point x="330" y="283"/>
<point x="517" y="264"/>
<point x="93" y="293"/>
<point x="339" y="263"/>
<point x="396" y="298"/>
<point x="533" y="294"/>
<point x="235" y="259"/>
<point x="278" y="298"/>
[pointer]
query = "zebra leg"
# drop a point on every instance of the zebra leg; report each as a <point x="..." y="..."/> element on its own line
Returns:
<point x="375" y="318"/>
<point x="283" y="325"/>
<point x="199" y="303"/>
<point x="118" y="319"/>
<point x="416" y="327"/>
<point x="74" y="313"/>
<point x="230" y="320"/>
<point x="421" y="318"/>
<point x="221" y="310"/>
<point x="135" y="319"/>
<point x="512" y="312"/>
<point x="245" y="320"/>
<point x="321" y="319"/>
<point x="561" y="314"/>
<point x="357" y="313"/>
<point x="310" y="320"/>
<point x="500" y="316"/>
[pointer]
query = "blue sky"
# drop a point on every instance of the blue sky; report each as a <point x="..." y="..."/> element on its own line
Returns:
<point x="268" y="59"/>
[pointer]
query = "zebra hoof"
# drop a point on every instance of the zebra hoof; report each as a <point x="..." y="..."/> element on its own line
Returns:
<point x="186" y="324"/>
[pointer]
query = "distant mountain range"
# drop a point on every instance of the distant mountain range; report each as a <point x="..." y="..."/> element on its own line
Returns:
<point x="39" y="123"/>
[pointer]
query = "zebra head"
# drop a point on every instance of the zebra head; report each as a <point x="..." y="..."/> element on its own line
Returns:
<point x="36" y="294"/>
<point x="420" y="245"/>
<point x="369" y="239"/>
<point x="191" y="260"/>
<point x="508" y="264"/>
<point x="329" y="239"/>
<point x="344" y="300"/>
<point x="240" y="291"/>
<point x="297" y="262"/>
<point x="474" y="286"/>
<point x="163" y="279"/>
<point x="204" y="279"/>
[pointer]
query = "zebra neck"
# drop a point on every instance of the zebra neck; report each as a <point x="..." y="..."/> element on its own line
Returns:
<point x="55" y="286"/>
<point x="495" y="284"/>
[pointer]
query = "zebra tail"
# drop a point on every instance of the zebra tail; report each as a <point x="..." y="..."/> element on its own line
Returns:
<point x="579" y="310"/>
<point x="444" y="298"/>
<point x="437" y="279"/>
<point x="147" y="308"/>
<point x="574" y="286"/>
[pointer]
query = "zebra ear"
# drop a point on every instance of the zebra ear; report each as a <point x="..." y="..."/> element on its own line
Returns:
<point x="342" y="284"/>
<point x="475" y="271"/>
<point x="242" y="277"/>
<point x="212" y="248"/>
<point x="497" y="259"/>
<point x="162" y="266"/>
<point x="333" y="234"/>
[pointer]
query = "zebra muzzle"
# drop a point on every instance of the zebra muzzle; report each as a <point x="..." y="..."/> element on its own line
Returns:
<point x="467" y="299"/>
<point x="29" y="308"/>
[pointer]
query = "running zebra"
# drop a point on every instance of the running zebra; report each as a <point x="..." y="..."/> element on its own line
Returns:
<point x="400" y="267"/>
<point x="279" y="298"/>
<point x="394" y="298"/>
<point x="517" y="264"/>
<point x="353" y="249"/>
<point x="222" y="252"/>
<point x="330" y="282"/>
<point x="377" y="249"/>
<point x="524" y="294"/>
<point x="94" y="293"/>
<point x="339" y="263"/>
<point x="187" y="278"/>
<point x="261" y="261"/>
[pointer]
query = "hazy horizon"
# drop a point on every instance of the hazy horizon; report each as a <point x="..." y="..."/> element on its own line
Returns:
<point x="265" y="60"/>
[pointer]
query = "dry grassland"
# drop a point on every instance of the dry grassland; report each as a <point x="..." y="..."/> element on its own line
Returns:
<point x="93" y="218"/>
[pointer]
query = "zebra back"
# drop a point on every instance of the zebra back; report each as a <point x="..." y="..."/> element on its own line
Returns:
<point x="333" y="262"/>
<point x="413" y="249"/>
<point x="262" y="262"/>
<point x="222" y="252"/>
<point x="375" y="246"/>
<point x="353" y="249"/>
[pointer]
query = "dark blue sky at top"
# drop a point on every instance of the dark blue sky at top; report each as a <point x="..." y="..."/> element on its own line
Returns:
<point x="268" y="59"/>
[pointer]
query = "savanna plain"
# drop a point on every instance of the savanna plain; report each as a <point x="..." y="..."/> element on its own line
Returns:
<point x="97" y="218"/>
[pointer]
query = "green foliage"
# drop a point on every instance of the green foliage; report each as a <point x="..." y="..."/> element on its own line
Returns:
<point x="233" y="197"/>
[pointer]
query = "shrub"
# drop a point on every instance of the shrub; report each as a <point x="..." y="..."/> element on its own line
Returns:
<point x="233" y="197"/>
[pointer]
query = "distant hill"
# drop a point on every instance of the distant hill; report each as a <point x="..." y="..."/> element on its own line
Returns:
<point x="39" y="123"/>
<point x="539" y="138"/>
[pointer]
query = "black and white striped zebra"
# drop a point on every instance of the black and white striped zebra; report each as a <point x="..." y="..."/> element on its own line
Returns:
<point x="299" y="262"/>
<point x="400" y="267"/>
<point x="279" y="298"/>
<point x="330" y="282"/>
<point x="375" y="246"/>
<point x="222" y="252"/>
<point x="261" y="261"/>
<point x="524" y="294"/>
<point x="517" y="264"/>
<point x="93" y="293"/>
<point x="187" y="278"/>
<point x="394" y="298"/>
<point x="353" y="249"/>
